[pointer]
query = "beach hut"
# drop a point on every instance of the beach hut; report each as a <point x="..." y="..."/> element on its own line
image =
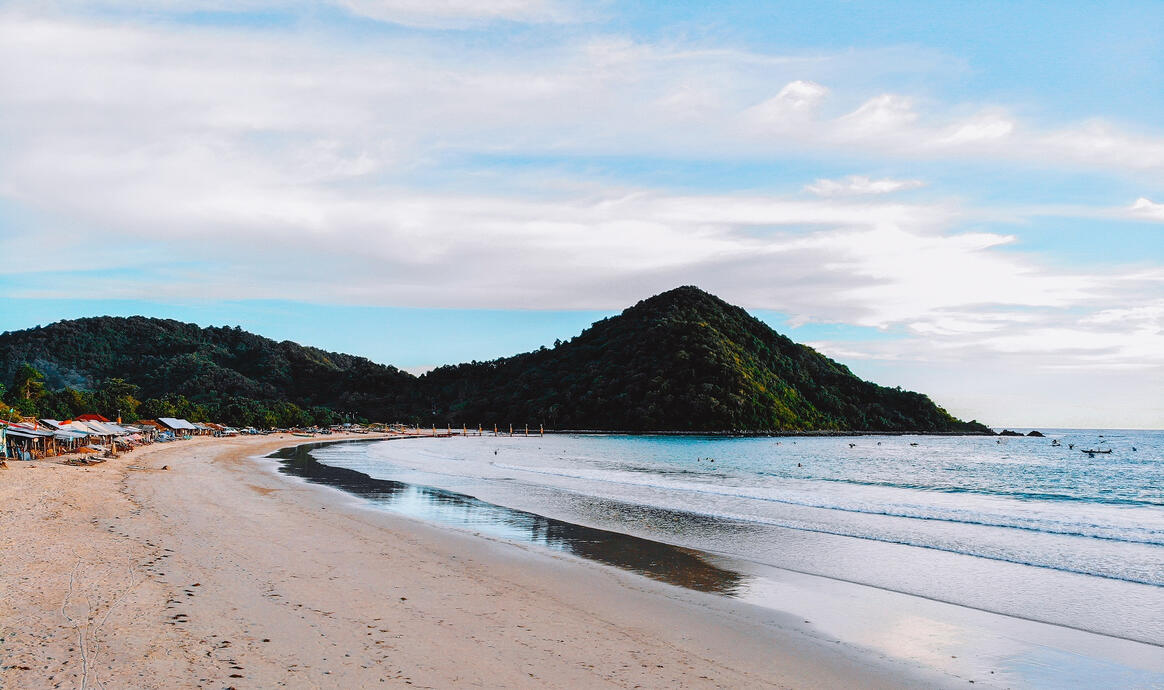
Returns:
<point x="151" y="424"/>
<point x="67" y="434"/>
<point x="91" y="417"/>
<point x="147" y="432"/>
<point x="99" y="429"/>
<point x="180" y="427"/>
<point x="28" y="441"/>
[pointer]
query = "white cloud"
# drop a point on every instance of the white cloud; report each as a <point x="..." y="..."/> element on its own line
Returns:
<point x="227" y="163"/>
<point x="987" y="127"/>
<point x="860" y="184"/>
<point x="1146" y="208"/>
<point x="794" y="106"/>
<point x="886" y="114"/>
<point x="432" y="14"/>
<point x="454" y="13"/>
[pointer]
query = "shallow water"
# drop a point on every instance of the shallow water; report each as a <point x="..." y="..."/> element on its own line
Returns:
<point x="663" y="562"/>
<point x="1018" y="527"/>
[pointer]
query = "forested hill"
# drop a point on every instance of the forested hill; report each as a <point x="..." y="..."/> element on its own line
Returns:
<point x="683" y="360"/>
<point x="218" y="372"/>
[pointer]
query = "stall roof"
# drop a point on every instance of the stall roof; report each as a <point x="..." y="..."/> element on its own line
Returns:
<point x="79" y="427"/>
<point x="96" y="427"/>
<point x="177" y="424"/>
<point x="26" y="433"/>
<point x="28" y="430"/>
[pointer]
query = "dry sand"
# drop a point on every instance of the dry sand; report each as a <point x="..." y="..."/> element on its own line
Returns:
<point x="217" y="573"/>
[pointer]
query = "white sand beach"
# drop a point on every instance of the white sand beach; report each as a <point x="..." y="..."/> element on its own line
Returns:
<point x="213" y="573"/>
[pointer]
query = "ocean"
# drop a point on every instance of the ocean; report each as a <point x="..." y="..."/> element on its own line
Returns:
<point x="1012" y="525"/>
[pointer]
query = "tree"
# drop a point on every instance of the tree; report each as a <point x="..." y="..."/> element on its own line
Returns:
<point x="65" y="404"/>
<point x="156" y="407"/>
<point x="116" y="398"/>
<point x="28" y="384"/>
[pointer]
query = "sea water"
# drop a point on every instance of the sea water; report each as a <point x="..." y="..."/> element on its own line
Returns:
<point x="1011" y="525"/>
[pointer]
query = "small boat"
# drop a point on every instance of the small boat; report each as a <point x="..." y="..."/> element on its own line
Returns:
<point x="1093" y="452"/>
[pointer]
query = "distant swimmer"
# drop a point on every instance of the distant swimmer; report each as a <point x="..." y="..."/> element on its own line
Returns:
<point x="913" y="444"/>
<point x="852" y="445"/>
<point x="879" y="443"/>
<point x="798" y="464"/>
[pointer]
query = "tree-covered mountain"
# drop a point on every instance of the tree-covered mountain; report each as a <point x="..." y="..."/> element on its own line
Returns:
<point x="211" y="367"/>
<point x="683" y="360"/>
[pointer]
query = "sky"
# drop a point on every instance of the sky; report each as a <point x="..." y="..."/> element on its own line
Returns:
<point x="961" y="198"/>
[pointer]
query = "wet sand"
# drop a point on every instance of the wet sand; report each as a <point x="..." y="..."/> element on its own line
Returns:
<point x="216" y="574"/>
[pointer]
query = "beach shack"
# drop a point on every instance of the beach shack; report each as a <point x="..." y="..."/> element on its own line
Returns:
<point x="70" y="436"/>
<point x="100" y="430"/>
<point x="179" y="427"/>
<point x="91" y="417"/>
<point x="153" y="424"/>
<point x="28" y="441"/>
<point x="147" y="432"/>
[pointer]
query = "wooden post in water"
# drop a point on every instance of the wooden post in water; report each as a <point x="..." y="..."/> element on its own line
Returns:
<point x="464" y="429"/>
<point x="448" y="428"/>
<point x="434" y="430"/>
<point x="511" y="430"/>
<point x="527" y="430"/>
<point x="541" y="430"/>
<point x="479" y="432"/>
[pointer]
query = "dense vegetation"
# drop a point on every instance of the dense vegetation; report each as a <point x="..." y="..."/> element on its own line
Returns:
<point x="682" y="360"/>
<point x="179" y="369"/>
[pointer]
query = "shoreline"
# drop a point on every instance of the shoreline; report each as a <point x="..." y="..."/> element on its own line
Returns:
<point x="214" y="574"/>
<point x="1002" y="637"/>
<point x="761" y="434"/>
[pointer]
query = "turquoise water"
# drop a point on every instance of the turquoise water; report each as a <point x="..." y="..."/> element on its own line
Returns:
<point x="1012" y="525"/>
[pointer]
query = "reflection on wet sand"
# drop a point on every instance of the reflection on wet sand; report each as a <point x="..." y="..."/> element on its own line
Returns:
<point x="671" y="564"/>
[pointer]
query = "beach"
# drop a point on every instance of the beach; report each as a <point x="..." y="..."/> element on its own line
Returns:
<point x="214" y="573"/>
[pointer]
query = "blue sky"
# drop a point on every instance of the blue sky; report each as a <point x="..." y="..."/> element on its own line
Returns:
<point x="965" y="198"/>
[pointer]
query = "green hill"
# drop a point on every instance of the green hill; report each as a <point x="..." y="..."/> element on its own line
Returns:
<point x="229" y="372"/>
<point x="683" y="360"/>
<point x="686" y="361"/>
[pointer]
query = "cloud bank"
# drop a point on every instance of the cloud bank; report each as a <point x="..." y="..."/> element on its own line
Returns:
<point x="222" y="162"/>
